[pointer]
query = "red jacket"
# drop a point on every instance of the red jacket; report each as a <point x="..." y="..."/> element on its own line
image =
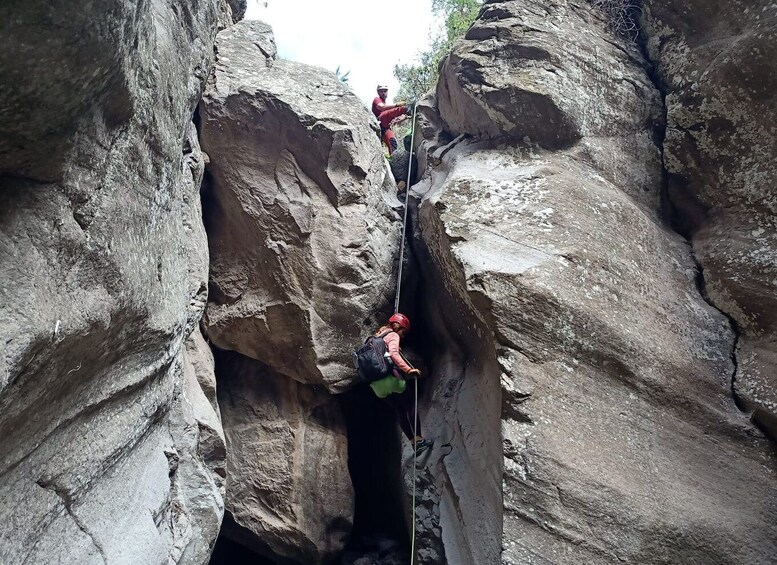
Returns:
<point x="375" y="102"/>
<point x="375" y="109"/>
<point x="392" y="345"/>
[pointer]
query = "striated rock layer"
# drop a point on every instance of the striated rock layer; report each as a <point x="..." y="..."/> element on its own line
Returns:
<point x="717" y="62"/>
<point x="111" y="453"/>
<point x="560" y="299"/>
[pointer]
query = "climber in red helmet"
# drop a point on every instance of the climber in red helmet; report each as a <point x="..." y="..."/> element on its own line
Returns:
<point x="394" y="388"/>
<point x="386" y="113"/>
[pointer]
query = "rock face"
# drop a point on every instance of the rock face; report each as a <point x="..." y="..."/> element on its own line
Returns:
<point x="560" y="299"/>
<point x="238" y="8"/>
<point x="110" y="451"/>
<point x="297" y="171"/>
<point x="288" y="489"/>
<point x="592" y="286"/>
<point x="718" y="66"/>
<point x="303" y="241"/>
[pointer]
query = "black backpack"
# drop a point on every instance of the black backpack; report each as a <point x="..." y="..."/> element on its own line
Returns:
<point x="370" y="359"/>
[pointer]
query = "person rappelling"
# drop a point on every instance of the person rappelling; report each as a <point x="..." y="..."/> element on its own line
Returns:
<point x="387" y="113"/>
<point x="381" y="363"/>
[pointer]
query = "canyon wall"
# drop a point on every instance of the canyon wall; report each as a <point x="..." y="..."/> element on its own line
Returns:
<point x="715" y="63"/>
<point x="590" y="275"/>
<point x="108" y="435"/>
<point x="546" y="243"/>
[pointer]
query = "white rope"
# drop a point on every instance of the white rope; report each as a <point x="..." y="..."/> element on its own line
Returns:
<point x="396" y="309"/>
<point x="415" y="456"/>
<point x="404" y="219"/>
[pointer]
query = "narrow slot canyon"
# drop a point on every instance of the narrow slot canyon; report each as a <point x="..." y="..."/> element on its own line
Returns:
<point x="459" y="479"/>
<point x="198" y="230"/>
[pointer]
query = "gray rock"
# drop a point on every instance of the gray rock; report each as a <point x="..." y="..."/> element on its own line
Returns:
<point x="289" y="493"/>
<point x="238" y="8"/>
<point x="303" y="241"/>
<point x="197" y="460"/>
<point x="103" y="259"/>
<point x="302" y="235"/>
<point x="513" y="77"/>
<point x="200" y="357"/>
<point x="717" y="62"/>
<point x="584" y="382"/>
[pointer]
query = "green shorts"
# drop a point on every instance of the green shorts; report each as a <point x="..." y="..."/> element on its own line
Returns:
<point x="388" y="385"/>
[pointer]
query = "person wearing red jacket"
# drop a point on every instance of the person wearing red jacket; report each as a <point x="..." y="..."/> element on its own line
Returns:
<point x="387" y="113"/>
<point x="393" y="387"/>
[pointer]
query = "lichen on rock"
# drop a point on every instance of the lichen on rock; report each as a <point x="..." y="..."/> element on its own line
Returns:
<point x="716" y="64"/>
<point x="540" y="228"/>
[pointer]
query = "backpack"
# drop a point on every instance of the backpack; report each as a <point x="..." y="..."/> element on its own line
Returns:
<point x="371" y="360"/>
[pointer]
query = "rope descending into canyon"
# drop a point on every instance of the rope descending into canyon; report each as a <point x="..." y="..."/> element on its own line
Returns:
<point x="396" y="309"/>
<point x="415" y="456"/>
<point x="404" y="219"/>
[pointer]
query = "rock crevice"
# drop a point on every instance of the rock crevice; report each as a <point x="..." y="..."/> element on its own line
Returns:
<point x="67" y="504"/>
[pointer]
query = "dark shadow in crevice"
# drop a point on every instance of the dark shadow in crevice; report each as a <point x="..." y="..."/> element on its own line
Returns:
<point x="381" y="528"/>
<point x="230" y="552"/>
<point x="374" y="462"/>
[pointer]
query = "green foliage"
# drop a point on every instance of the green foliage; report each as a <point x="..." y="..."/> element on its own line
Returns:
<point x="459" y="15"/>
<point x="342" y="77"/>
<point x="417" y="79"/>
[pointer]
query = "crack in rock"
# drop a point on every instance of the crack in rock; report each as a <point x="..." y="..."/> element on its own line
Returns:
<point x="701" y="282"/>
<point x="67" y="502"/>
<point x="701" y="285"/>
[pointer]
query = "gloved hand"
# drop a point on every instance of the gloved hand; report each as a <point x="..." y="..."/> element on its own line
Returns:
<point x="415" y="373"/>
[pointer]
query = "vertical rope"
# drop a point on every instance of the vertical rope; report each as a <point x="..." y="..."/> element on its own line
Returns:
<point x="415" y="456"/>
<point x="404" y="219"/>
<point x="396" y="309"/>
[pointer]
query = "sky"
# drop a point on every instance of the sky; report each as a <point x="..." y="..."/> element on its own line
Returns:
<point x="363" y="37"/>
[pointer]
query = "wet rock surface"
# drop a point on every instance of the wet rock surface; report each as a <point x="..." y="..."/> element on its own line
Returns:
<point x="107" y="436"/>
<point x="296" y="170"/>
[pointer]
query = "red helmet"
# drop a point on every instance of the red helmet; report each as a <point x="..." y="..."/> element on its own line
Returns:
<point x="402" y="320"/>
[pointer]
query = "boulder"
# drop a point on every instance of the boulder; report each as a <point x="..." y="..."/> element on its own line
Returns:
<point x="513" y="77"/>
<point x="717" y="63"/>
<point x="289" y="494"/>
<point x="580" y="399"/>
<point x="104" y="265"/>
<point x="302" y="233"/>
